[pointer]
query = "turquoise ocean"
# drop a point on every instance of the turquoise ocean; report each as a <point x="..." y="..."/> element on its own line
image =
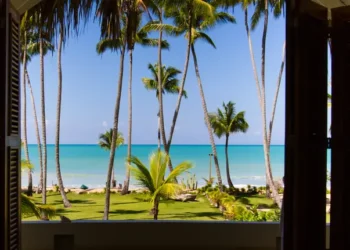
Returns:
<point x="87" y="164"/>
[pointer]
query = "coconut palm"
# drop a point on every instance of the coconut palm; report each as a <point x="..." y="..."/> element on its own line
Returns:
<point x="105" y="142"/>
<point x="38" y="42"/>
<point x="138" y="36"/>
<point x="201" y="22"/>
<point x="225" y="122"/>
<point x="170" y="85"/>
<point x="24" y="28"/>
<point x="190" y="18"/>
<point x="116" y="16"/>
<point x="154" y="179"/>
<point x="261" y="9"/>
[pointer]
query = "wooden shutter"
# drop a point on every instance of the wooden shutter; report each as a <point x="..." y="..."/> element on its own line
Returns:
<point x="306" y="127"/>
<point x="340" y="198"/>
<point x="10" y="143"/>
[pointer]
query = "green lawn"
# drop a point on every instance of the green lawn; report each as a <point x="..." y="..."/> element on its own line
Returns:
<point x="134" y="207"/>
<point x="129" y="207"/>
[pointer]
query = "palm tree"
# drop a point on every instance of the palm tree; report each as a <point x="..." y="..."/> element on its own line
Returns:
<point x="261" y="9"/>
<point x="33" y="44"/>
<point x="170" y="85"/>
<point x="24" y="28"/>
<point x="105" y="142"/>
<point x="226" y="122"/>
<point x="200" y="24"/>
<point x="154" y="179"/>
<point x="137" y="35"/>
<point x="112" y="13"/>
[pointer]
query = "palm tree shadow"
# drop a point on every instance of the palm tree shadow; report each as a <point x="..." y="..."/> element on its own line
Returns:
<point x="82" y="202"/>
<point x="125" y="211"/>
<point x="61" y="211"/>
<point x="204" y="215"/>
<point x="124" y="203"/>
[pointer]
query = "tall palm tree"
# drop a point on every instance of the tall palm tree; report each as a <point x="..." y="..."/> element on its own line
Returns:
<point x="261" y="9"/>
<point x="226" y="122"/>
<point x="154" y="179"/>
<point x="123" y="43"/>
<point x="24" y="28"/>
<point x="105" y="142"/>
<point x="200" y="24"/>
<point x="38" y="41"/>
<point x="170" y="85"/>
<point x="110" y="12"/>
<point x="136" y="35"/>
<point x="191" y="18"/>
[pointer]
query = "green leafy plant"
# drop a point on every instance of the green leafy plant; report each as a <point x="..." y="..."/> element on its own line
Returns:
<point x="154" y="179"/>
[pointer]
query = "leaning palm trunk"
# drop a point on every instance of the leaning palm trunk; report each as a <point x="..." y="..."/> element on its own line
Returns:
<point x="182" y="87"/>
<point x="229" y="181"/>
<point x="159" y="136"/>
<point x="115" y="133"/>
<point x="58" y="120"/>
<point x="206" y="118"/>
<point x="262" y="100"/>
<point x="25" y="142"/>
<point x="36" y="131"/>
<point x="43" y="118"/>
<point x="127" y="177"/>
<point x="160" y="91"/>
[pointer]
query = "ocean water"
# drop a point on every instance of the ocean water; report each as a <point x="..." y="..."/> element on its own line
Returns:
<point x="87" y="164"/>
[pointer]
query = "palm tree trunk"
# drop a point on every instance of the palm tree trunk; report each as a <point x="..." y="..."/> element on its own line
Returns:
<point x="182" y="87"/>
<point x="206" y="118"/>
<point x="262" y="101"/>
<point x="43" y="118"/>
<point x="115" y="133"/>
<point x="127" y="177"/>
<point x="269" y="176"/>
<point x="155" y="209"/>
<point x="113" y="178"/>
<point x="58" y="121"/>
<point x="229" y="181"/>
<point x="274" y="104"/>
<point x="24" y="115"/>
<point x="160" y="91"/>
<point x="36" y="131"/>
<point x="159" y="136"/>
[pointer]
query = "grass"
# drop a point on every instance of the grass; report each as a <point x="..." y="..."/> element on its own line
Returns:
<point x="128" y="207"/>
<point x="135" y="207"/>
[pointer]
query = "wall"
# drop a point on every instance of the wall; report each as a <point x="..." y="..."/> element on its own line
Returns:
<point x="150" y="235"/>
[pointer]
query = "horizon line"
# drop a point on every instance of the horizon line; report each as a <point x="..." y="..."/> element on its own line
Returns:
<point x="141" y="144"/>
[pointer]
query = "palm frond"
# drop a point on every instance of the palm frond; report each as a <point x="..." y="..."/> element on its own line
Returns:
<point x="29" y="208"/>
<point x="178" y="170"/>
<point x="26" y="165"/>
<point x="108" y="44"/>
<point x="206" y="38"/>
<point x="158" y="163"/>
<point x="141" y="174"/>
<point x="166" y="191"/>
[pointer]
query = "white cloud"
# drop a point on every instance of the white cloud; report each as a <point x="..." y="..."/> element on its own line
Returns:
<point x="105" y="124"/>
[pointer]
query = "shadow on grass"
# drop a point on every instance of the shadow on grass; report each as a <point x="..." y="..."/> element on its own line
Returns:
<point x="61" y="211"/>
<point x="125" y="211"/>
<point x="124" y="203"/>
<point x="204" y="215"/>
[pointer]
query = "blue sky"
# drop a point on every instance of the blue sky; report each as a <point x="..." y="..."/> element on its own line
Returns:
<point x="90" y="83"/>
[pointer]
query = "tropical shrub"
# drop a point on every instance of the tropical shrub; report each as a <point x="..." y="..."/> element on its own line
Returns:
<point x="154" y="179"/>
